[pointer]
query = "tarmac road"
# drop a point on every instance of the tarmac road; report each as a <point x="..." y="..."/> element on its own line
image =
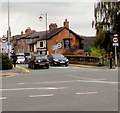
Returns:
<point x="61" y="89"/>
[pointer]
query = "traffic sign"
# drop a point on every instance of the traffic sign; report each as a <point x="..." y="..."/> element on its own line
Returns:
<point x="115" y="44"/>
<point x="115" y="40"/>
<point x="4" y="39"/>
<point x="9" y="43"/>
<point x="55" y="47"/>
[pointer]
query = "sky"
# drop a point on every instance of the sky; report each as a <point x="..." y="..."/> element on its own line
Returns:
<point x="79" y="13"/>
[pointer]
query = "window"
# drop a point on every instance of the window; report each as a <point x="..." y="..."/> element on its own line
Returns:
<point x="41" y="44"/>
<point x="66" y="43"/>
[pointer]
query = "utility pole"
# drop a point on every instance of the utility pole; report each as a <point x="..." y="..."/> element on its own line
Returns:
<point x="45" y="15"/>
<point x="8" y="31"/>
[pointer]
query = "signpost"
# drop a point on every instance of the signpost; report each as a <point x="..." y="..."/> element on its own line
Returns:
<point x="115" y="43"/>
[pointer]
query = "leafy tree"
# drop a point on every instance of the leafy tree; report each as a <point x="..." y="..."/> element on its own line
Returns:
<point x="107" y="22"/>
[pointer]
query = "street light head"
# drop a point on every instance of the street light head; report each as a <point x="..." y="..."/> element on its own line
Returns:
<point x="115" y="35"/>
<point x="40" y="18"/>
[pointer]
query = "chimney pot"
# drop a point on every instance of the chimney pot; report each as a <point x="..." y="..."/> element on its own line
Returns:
<point x="53" y="26"/>
<point x="66" y="23"/>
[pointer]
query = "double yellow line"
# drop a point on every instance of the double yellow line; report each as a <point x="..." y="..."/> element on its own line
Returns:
<point x="26" y="70"/>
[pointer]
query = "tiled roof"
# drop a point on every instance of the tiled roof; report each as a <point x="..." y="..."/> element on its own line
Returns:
<point x="27" y="34"/>
<point x="88" y="42"/>
<point x="50" y="34"/>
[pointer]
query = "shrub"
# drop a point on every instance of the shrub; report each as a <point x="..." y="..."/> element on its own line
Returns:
<point x="6" y="62"/>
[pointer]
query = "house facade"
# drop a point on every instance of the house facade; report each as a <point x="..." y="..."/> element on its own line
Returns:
<point x="57" y="40"/>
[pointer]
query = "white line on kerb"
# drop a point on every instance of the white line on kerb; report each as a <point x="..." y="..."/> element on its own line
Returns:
<point x="47" y="95"/>
<point x="86" y="93"/>
<point x="1" y="98"/>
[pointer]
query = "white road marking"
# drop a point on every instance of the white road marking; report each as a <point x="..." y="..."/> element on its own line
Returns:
<point x="37" y="88"/>
<point x="89" y="81"/>
<point x="47" y="95"/>
<point x="87" y="93"/>
<point x="1" y="98"/>
<point x="59" y="67"/>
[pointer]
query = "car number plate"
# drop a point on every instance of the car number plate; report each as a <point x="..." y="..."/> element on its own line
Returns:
<point x="62" y="62"/>
<point x="41" y="64"/>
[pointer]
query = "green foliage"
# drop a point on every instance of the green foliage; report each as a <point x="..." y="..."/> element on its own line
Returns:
<point x="6" y="62"/>
<point x="96" y="51"/>
<point x="107" y="18"/>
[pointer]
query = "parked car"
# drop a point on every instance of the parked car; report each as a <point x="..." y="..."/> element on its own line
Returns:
<point x="37" y="61"/>
<point x="20" y="60"/>
<point x="58" y="59"/>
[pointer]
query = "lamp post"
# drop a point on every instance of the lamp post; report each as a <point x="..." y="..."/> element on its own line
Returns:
<point x="8" y="31"/>
<point x="41" y="16"/>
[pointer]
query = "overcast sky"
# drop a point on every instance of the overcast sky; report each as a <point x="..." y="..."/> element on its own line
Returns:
<point x="26" y="14"/>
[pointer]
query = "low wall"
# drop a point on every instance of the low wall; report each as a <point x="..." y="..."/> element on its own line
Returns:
<point x="85" y="60"/>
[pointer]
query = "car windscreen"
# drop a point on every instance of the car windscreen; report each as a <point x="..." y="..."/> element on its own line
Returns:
<point x="40" y="57"/>
<point x="20" y="57"/>
<point x="58" y="56"/>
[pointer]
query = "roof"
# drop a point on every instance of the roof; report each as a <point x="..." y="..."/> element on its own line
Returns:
<point x="27" y="34"/>
<point x="88" y="42"/>
<point x="42" y="35"/>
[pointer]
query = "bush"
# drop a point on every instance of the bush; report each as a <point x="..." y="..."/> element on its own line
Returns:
<point x="6" y="62"/>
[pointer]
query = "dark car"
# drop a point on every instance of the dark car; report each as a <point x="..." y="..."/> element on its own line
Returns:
<point x="37" y="61"/>
<point x="58" y="59"/>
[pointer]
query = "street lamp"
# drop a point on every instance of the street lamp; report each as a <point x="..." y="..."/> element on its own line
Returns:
<point x="41" y="17"/>
<point x="8" y="31"/>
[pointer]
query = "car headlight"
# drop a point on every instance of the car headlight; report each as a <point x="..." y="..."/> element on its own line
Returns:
<point x="55" y="60"/>
<point x="67" y="60"/>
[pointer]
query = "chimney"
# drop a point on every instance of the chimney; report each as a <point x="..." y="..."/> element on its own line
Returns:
<point x="28" y="29"/>
<point x="53" y="26"/>
<point x="66" y="23"/>
<point x="21" y="32"/>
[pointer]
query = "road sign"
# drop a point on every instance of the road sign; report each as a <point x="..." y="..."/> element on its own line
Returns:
<point x="55" y="47"/>
<point x="4" y="39"/>
<point x="115" y="40"/>
<point x="9" y="43"/>
<point x="115" y="44"/>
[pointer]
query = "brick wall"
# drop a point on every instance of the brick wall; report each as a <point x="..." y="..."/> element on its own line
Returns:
<point x="65" y="34"/>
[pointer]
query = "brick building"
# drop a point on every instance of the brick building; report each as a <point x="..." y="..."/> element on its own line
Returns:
<point x="59" y="40"/>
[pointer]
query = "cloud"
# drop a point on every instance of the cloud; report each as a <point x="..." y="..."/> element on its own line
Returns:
<point x="26" y="14"/>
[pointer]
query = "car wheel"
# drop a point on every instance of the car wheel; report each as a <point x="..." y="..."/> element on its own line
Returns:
<point x="66" y="65"/>
<point x="47" y="66"/>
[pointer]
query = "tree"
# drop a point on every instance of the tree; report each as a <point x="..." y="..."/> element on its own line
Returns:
<point x="107" y="22"/>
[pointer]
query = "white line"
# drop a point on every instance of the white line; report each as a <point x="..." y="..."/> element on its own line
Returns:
<point x="1" y="98"/>
<point x="86" y="93"/>
<point x="47" y="95"/>
<point x="42" y="88"/>
<point x="106" y="82"/>
<point x="89" y="81"/>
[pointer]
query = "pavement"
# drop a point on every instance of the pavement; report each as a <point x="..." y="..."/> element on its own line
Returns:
<point x="13" y="72"/>
<point x="20" y="70"/>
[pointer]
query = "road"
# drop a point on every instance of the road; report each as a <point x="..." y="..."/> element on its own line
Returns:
<point x="61" y="89"/>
